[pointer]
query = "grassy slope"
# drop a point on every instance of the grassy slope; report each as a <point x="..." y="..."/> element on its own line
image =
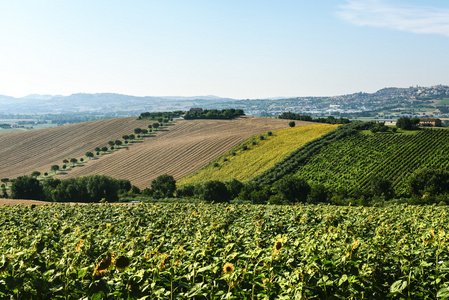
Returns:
<point x="245" y="164"/>
<point x="178" y="150"/>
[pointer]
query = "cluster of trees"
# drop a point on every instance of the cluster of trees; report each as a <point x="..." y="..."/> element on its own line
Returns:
<point x="214" y="114"/>
<point x="299" y="117"/>
<point x="407" y="123"/>
<point x="92" y="188"/>
<point x="161" y="114"/>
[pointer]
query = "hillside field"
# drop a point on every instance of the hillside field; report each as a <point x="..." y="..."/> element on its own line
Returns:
<point x="350" y="162"/>
<point x="178" y="150"/>
<point x="262" y="152"/>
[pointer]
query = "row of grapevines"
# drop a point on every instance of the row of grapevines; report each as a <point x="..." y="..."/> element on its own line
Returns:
<point x="303" y="153"/>
<point x="184" y="251"/>
<point x="350" y="162"/>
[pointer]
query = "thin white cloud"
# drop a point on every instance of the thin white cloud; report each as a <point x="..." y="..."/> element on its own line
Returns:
<point x="411" y="18"/>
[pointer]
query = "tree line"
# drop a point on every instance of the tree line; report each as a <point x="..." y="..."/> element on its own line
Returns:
<point x="299" y="117"/>
<point x="214" y="114"/>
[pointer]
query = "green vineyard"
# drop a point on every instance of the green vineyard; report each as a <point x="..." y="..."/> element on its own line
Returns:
<point x="191" y="251"/>
<point x="353" y="160"/>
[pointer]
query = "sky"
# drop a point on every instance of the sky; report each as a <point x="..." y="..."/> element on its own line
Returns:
<point x="237" y="49"/>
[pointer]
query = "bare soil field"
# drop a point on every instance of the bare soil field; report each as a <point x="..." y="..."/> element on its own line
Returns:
<point x="178" y="150"/>
<point x="20" y="201"/>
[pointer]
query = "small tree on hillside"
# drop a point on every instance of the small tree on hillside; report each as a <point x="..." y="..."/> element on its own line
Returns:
<point x="125" y="137"/>
<point x="97" y="149"/>
<point x="104" y="149"/>
<point x="65" y="161"/>
<point x="150" y="126"/>
<point x="118" y="142"/>
<point x="73" y="161"/>
<point x="54" y="168"/>
<point x="4" y="180"/>
<point x="132" y="136"/>
<point x="35" y="174"/>
<point x="155" y="125"/>
<point x="292" y="124"/>
<point x="89" y="154"/>
<point x="137" y="130"/>
<point x="144" y="131"/>
<point x="111" y="143"/>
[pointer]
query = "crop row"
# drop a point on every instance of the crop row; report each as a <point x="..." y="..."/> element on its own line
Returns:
<point x="257" y="154"/>
<point x="185" y="251"/>
<point x="353" y="160"/>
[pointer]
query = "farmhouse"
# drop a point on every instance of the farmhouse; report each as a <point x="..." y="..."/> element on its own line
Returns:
<point x="430" y="122"/>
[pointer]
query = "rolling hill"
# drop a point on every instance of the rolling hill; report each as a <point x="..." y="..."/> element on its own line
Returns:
<point x="178" y="150"/>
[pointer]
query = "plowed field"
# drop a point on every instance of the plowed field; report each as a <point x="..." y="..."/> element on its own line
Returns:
<point x="178" y="150"/>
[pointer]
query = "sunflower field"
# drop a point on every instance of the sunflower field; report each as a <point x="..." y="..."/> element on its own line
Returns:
<point x="218" y="251"/>
<point x="257" y="154"/>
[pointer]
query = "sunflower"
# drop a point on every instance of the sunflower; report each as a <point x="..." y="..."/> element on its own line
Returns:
<point x="121" y="263"/>
<point x="103" y="265"/>
<point x="278" y="245"/>
<point x="228" y="268"/>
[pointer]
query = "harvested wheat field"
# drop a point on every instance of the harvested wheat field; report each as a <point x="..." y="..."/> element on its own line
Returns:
<point x="178" y="150"/>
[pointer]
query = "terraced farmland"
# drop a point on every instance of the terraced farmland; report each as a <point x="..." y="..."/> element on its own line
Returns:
<point x="178" y="150"/>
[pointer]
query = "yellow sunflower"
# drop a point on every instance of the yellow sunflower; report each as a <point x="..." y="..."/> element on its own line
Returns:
<point x="228" y="268"/>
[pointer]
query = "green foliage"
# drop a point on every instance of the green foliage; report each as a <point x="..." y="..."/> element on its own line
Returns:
<point x="214" y="114"/>
<point x="35" y="174"/>
<point x="234" y="188"/>
<point x="291" y="124"/>
<point x="404" y="123"/>
<point x="163" y="186"/>
<point x="54" y="168"/>
<point x="381" y="187"/>
<point x="89" y="154"/>
<point x="92" y="188"/>
<point x="161" y="114"/>
<point x="292" y="189"/>
<point x="429" y="181"/>
<point x="350" y="161"/>
<point x="26" y="187"/>
<point x="214" y="190"/>
<point x="181" y="250"/>
<point x="380" y="127"/>
<point x="318" y="193"/>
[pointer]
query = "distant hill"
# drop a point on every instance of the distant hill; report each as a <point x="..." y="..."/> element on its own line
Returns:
<point x="409" y="100"/>
<point x="100" y="103"/>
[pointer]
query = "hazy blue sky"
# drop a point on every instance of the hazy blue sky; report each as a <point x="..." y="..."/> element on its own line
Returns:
<point x="239" y="49"/>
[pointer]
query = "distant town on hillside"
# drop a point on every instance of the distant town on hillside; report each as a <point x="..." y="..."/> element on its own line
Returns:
<point x="386" y="103"/>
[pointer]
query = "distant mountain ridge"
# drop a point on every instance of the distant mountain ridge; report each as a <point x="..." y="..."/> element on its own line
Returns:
<point x="111" y="102"/>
